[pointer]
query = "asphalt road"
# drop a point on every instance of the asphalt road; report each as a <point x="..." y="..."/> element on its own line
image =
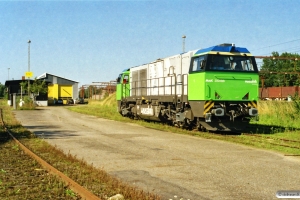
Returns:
<point x="166" y="163"/>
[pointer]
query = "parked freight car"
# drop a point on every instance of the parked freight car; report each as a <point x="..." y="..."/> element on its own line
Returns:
<point x="282" y="93"/>
<point x="210" y="89"/>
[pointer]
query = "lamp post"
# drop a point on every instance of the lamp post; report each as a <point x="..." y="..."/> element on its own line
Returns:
<point x="183" y="43"/>
<point x="8" y="73"/>
<point x="29" y="66"/>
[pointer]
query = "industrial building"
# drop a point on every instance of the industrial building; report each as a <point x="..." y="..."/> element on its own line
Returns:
<point x="59" y="88"/>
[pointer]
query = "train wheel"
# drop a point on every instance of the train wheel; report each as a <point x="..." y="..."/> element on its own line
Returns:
<point x="200" y="127"/>
<point x="188" y="124"/>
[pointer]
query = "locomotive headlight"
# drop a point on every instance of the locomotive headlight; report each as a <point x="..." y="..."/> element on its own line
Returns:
<point x="218" y="112"/>
<point x="253" y="112"/>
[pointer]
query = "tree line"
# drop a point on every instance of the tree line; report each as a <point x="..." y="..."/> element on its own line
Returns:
<point x="281" y="72"/>
<point x="2" y="90"/>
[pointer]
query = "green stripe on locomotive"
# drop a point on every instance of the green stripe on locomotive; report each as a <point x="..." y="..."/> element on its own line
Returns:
<point x="223" y="86"/>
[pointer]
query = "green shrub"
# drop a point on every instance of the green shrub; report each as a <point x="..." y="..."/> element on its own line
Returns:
<point x="29" y="104"/>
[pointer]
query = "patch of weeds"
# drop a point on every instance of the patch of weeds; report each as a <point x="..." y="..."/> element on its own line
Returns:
<point x="15" y="147"/>
<point x="20" y="179"/>
<point x="70" y="193"/>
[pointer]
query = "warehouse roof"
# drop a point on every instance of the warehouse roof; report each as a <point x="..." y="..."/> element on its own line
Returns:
<point x="45" y="75"/>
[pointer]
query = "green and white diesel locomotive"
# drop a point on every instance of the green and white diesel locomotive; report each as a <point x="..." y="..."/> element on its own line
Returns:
<point x="210" y="89"/>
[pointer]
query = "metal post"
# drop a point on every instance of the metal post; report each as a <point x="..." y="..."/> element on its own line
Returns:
<point x="8" y="73"/>
<point x="29" y="67"/>
<point x="183" y="43"/>
<point x="14" y="101"/>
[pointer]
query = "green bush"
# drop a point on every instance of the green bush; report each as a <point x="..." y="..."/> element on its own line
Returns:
<point x="29" y="104"/>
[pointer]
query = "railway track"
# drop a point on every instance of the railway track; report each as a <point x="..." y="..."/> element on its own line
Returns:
<point x="253" y="129"/>
<point x="277" y="142"/>
<point x="81" y="191"/>
<point x="258" y="134"/>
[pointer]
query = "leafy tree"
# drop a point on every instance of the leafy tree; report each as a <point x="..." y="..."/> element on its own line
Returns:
<point x="2" y="90"/>
<point x="23" y="87"/>
<point x="281" y="72"/>
<point x="36" y="87"/>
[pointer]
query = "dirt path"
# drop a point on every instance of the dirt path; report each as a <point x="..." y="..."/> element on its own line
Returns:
<point x="166" y="163"/>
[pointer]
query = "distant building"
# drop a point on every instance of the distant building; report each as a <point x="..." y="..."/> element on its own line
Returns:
<point x="13" y="87"/>
<point x="58" y="88"/>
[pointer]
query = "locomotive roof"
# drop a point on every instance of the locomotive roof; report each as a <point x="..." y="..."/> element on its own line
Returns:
<point x="227" y="48"/>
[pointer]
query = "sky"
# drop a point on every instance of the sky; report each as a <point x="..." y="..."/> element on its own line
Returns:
<point x="94" y="41"/>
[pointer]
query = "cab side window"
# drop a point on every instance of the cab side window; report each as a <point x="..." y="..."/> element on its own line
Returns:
<point x="198" y="64"/>
<point x="125" y="79"/>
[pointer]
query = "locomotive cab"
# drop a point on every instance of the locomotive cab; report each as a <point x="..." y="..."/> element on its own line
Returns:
<point x="226" y="84"/>
<point x="123" y="91"/>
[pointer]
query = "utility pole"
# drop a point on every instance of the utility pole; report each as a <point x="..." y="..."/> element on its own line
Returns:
<point x="8" y="73"/>
<point x="29" y="67"/>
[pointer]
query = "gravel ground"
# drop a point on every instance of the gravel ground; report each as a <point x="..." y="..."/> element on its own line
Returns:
<point x="166" y="163"/>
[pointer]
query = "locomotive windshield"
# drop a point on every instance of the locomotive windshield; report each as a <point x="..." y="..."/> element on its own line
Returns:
<point x="119" y="78"/>
<point x="223" y="63"/>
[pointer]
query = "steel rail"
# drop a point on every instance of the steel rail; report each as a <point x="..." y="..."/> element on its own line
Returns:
<point x="287" y="140"/>
<point x="283" y="145"/>
<point x="81" y="191"/>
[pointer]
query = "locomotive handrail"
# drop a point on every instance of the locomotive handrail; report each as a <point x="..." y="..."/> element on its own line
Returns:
<point x="158" y="86"/>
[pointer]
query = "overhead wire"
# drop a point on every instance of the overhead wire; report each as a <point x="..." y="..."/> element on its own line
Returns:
<point x="276" y="44"/>
<point x="296" y="48"/>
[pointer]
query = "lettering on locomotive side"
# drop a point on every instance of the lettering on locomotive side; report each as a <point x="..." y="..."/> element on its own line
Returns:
<point x="147" y="111"/>
<point x="250" y="81"/>
<point x="214" y="80"/>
